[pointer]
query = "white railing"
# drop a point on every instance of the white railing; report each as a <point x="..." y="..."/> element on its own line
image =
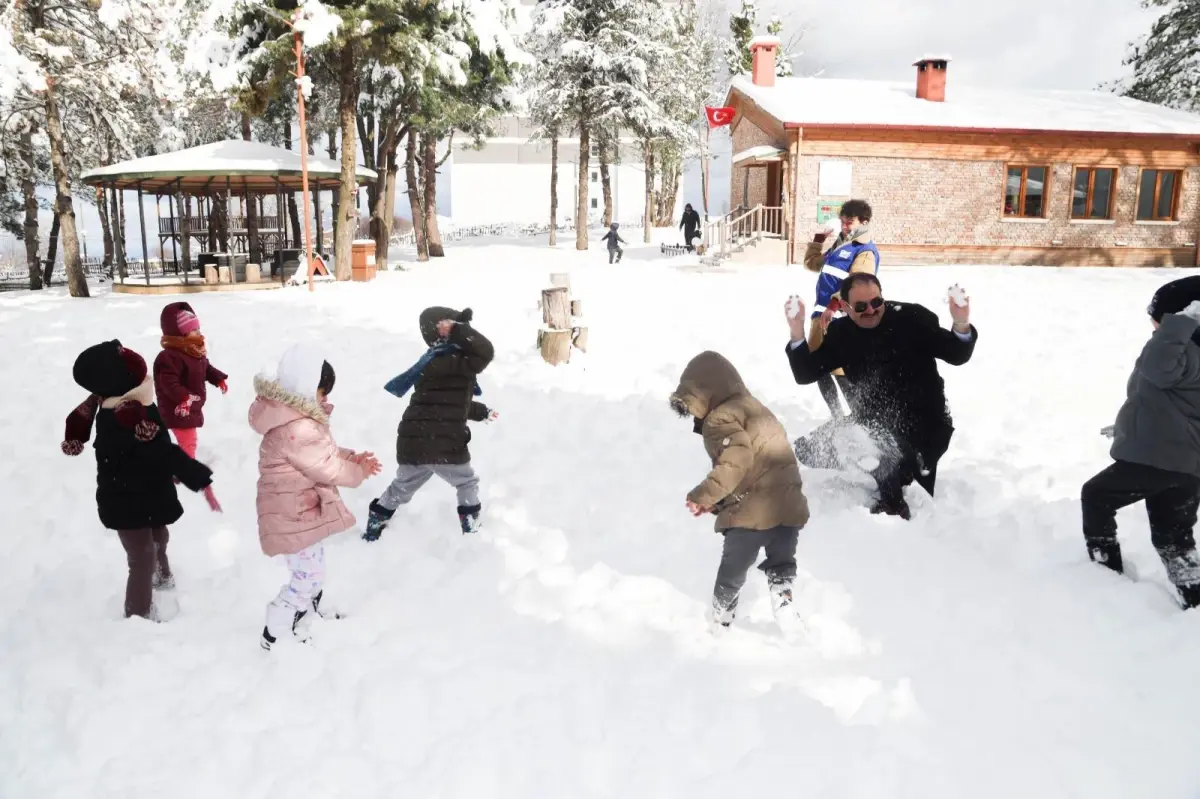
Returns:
<point x="740" y="227"/>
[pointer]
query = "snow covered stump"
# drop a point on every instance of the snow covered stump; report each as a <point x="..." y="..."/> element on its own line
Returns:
<point x="560" y="314"/>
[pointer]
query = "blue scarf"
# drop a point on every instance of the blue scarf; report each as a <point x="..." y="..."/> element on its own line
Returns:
<point x="401" y="384"/>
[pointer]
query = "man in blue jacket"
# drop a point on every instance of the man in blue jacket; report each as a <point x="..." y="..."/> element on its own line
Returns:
<point x="1156" y="445"/>
<point x="852" y="251"/>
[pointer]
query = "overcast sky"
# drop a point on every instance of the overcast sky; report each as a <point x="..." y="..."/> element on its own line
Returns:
<point x="1051" y="44"/>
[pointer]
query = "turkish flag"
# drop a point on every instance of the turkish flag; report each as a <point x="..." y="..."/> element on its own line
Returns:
<point x="718" y="117"/>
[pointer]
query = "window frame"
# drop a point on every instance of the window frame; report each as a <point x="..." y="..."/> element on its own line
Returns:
<point x="1174" y="217"/>
<point x="1110" y="212"/>
<point x="1048" y="171"/>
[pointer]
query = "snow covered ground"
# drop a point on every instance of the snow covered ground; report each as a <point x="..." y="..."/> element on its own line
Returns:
<point x="562" y="652"/>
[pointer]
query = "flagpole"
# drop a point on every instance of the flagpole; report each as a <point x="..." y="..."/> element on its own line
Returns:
<point x="704" y="164"/>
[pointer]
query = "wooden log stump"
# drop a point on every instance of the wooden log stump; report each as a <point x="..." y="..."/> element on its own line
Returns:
<point x="253" y="273"/>
<point x="561" y="280"/>
<point x="579" y="338"/>
<point x="555" y="346"/>
<point x="556" y="308"/>
<point x="224" y="274"/>
<point x="576" y="308"/>
<point x="210" y="274"/>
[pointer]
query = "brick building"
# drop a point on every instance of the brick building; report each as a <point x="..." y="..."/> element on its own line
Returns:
<point x="969" y="175"/>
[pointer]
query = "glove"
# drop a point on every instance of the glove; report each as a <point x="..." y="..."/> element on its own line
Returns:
<point x="72" y="447"/>
<point x="223" y="386"/>
<point x="1192" y="311"/>
<point x="212" y="500"/>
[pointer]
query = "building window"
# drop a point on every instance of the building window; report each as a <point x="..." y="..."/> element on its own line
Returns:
<point x="594" y="203"/>
<point x="1025" y="191"/>
<point x="595" y="176"/>
<point x="594" y="152"/>
<point x="1092" y="193"/>
<point x="1158" y="195"/>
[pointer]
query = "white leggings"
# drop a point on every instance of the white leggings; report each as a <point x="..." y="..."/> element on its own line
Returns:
<point x="307" y="569"/>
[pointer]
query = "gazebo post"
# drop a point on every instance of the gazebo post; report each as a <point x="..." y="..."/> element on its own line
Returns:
<point x="119" y="230"/>
<point x="174" y="231"/>
<point x="317" y="220"/>
<point x="162" y="261"/>
<point x="187" y="228"/>
<point x="228" y="237"/>
<point x="145" y="248"/>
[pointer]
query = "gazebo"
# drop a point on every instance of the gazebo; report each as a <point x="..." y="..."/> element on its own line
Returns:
<point x="217" y="176"/>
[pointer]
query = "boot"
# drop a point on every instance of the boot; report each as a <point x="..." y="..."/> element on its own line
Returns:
<point x="299" y="633"/>
<point x="468" y="518"/>
<point x="1107" y="554"/>
<point x="163" y="582"/>
<point x="720" y="616"/>
<point x="897" y="507"/>
<point x="1189" y="595"/>
<point x="377" y="520"/>
<point x="1184" y="571"/>
<point x="325" y="612"/>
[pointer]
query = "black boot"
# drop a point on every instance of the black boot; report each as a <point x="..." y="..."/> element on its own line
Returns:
<point x="377" y="519"/>
<point x="1107" y="554"/>
<point x="468" y="518"/>
<point x="301" y="637"/>
<point x="1190" y="595"/>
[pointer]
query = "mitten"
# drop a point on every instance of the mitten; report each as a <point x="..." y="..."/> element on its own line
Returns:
<point x="223" y="386"/>
<point x="72" y="447"/>
<point x="492" y="416"/>
<point x="1192" y="311"/>
<point x="212" y="500"/>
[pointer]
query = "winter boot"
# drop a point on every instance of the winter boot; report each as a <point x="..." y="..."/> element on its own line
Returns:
<point x="1184" y="572"/>
<point x="720" y="617"/>
<point x="781" y="598"/>
<point x="468" y="518"/>
<point x="299" y="633"/>
<point x="162" y="582"/>
<point x="1189" y="595"/>
<point x="896" y="507"/>
<point x="1107" y="554"/>
<point x="325" y="612"/>
<point x="377" y="520"/>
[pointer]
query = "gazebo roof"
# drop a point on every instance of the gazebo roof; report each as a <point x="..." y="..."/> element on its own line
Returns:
<point x="244" y="165"/>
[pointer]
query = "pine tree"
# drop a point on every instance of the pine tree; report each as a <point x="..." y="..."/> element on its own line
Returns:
<point x="1166" y="62"/>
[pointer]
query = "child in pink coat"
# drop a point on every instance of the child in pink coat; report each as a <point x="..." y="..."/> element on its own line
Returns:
<point x="300" y="467"/>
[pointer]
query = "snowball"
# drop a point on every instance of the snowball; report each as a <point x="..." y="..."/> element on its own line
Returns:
<point x="957" y="295"/>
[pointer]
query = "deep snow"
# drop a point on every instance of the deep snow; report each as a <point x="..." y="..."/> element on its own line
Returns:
<point x="562" y="652"/>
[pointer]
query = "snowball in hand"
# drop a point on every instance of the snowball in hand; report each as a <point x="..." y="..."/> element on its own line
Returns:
<point x="957" y="295"/>
<point x="793" y="307"/>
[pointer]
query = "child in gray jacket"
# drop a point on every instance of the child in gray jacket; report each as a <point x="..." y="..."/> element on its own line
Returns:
<point x="1156" y="445"/>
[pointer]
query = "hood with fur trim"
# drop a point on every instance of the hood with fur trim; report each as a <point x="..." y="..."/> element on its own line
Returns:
<point x="275" y="406"/>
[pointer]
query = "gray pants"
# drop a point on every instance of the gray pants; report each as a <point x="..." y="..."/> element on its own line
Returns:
<point x="741" y="550"/>
<point x="410" y="478"/>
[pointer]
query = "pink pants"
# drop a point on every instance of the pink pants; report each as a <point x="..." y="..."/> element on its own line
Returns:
<point x="186" y="440"/>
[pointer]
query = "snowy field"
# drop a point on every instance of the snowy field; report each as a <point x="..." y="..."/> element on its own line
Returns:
<point x="973" y="653"/>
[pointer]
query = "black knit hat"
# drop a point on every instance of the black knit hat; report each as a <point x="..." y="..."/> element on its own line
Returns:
<point x="109" y="370"/>
<point x="430" y="317"/>
<point x="1174" y="297"/>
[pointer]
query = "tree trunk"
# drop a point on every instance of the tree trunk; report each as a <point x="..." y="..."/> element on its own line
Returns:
<point x="581" y="202"/>
<point x="346" y="226"/>
<point x="293" y="211"/>
<point x="185" y="229"/>
<point x="115" y="222"/>
<point x="29" y="190"/>
<point x="381" y="223"/>
<point x="648" y="220"/>
<point x="253" y="250"/>
<point x="606" y="181"/>
<point x="433" y="234"/>
<point x="554" y="190"/>
<point x="51" y="250"/>
<point x="389" y="210"/>
<point x="413" y="189"/>
<point x="106" y="230"/>
<point x="333" y="195"/>
<point x="670" y="167"/>
<point x="76" y="280"/>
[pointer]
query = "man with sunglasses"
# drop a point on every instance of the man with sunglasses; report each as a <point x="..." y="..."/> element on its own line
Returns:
<point x="889" y="353"/>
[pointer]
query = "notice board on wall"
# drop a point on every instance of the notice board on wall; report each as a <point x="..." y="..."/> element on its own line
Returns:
<point x="833" y="178"/>
<point x="828" y="210"/>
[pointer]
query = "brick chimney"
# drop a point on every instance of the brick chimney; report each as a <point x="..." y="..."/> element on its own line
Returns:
<point x="931" y="78"/>
<point x="762" y="53"/>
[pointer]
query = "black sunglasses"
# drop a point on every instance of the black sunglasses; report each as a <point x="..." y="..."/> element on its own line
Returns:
<point x="861" y="307"/>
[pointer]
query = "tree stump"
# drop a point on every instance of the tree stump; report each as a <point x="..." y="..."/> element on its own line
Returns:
<point x="579" y="338"/>
<point x="561" y="280"/>
<point x="556" y="308"/>
<point x="210" y="275"/>
<point x="555" y="346"/>
<point x="253" y="273"/>
<point x="576" y="308"/>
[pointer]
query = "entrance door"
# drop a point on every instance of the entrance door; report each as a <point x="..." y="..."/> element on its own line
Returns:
<point x="773" y="219"/>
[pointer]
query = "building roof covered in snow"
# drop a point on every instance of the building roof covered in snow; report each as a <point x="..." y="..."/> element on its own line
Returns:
<point x="260" y="168"/>
<point x="833" y="102"/>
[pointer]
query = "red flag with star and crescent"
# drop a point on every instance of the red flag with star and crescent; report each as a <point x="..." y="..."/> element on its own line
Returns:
<point x="720" y="116"/>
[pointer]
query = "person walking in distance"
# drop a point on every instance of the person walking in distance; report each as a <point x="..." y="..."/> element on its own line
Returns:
<point x="754" y="487"/>
<point x="889" y="352"/>
<point x="852" y="252"/>
<point x="433" y="434"/>
<point x="614" y="243"/>
<point x="1156" y="446"/>
<point x="690" y="224"/>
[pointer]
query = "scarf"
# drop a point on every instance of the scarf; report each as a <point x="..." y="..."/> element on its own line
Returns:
<point x="129" y="410"/>
<point x="188" y="345"/>
<point x="402" y="383"/>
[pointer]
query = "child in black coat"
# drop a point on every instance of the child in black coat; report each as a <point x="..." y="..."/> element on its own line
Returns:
<point x="136" y="465"/>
